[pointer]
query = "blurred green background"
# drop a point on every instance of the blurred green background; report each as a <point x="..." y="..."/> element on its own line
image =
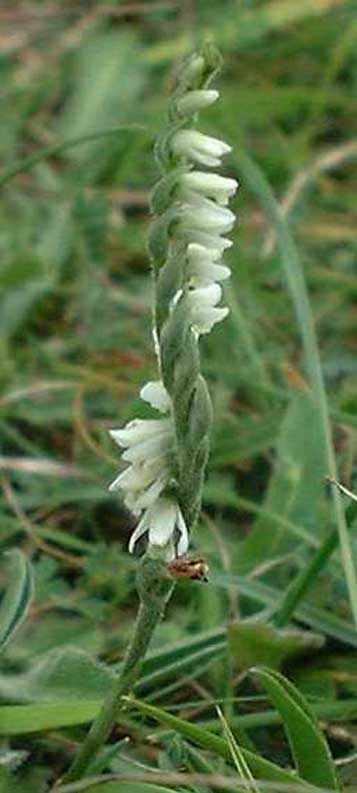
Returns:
<point x="75" y="291"/>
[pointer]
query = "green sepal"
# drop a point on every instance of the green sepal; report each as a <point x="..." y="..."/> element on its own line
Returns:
<point x="164" y="191"/>
<point x="159" y="239"/>
<point x="169" y="281"/>
<point x="187" y="370"/>
<point x="201" y="414"/>
<point x="164" y="155"/>
<point x="172" y="342"/>
<point x="191" y="479"/>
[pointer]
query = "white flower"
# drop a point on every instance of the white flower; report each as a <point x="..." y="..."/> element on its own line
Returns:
<point x="156" y="395"/>
<point x="148" y="445"/>
<point x="205" y="215"/>
<point x="143" y="438"/>
<point x="162" y="521"/>
<point x="199" y="148"/>
<point x="202" y="303"/>
<point x="206" y="239"/>
<point x="142" y="484"/>
<point x="210" y="184"/>
<point x="193" y="101"/>
<point x="201" y="269"/>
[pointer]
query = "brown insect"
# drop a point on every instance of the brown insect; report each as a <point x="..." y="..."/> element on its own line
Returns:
<point x="187" y="567"/>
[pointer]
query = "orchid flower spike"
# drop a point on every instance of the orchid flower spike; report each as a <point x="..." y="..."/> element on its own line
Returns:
<point x="166" y="455"/>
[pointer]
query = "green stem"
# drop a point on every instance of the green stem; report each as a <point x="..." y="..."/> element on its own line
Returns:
<point x="155" y="587"/>
<point x="303" y="580"/>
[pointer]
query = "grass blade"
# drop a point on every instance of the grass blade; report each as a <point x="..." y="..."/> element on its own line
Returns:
<point x="17" y="597"/>
<point x="261" y="768"/>
<point x="294" y="277"/>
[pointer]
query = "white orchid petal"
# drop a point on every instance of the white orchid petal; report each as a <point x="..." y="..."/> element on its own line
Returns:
<point x="202" y="275"/>
<point x="198" y="147"/>
<point x="138" y="477"/>
<point x="139" y="430"/>
<point x="193" y="101"/>
<point x="152" y="447"/>
<point x="199" y="201"/>
<point x="152" y="493"/>
<point x="210" y="184"/>
<point x="156" y="395"/>
<point x="183" y="543"/>
<point x="161" y="520"/>
<point x="205" y="297"/>
<point x="196" y="252"/>
<point x="204" y="319"/>
<point x="214" y="219"/>
<point x="139" y="531"/>
<point x="212" y="241"/>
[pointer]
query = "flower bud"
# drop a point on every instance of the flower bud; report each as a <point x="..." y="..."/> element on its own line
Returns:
<point x="202" y="303"/>
<point x="220" y="188"/>
<point x="207" y="217"/>
<point x="193" y="101"/>
<point x="201" y="269"/>
<point x="199" y="148"/>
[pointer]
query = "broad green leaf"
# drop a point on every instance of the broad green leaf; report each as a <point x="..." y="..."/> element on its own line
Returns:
<point x="252" y="643"/>
<point x="310" y="751"/>
<point x="260" y="768"/>
<point x="23" y="719"/>
<point x="320" y="620"/>
<point x="67" y="673"/>
<point x="17" y="597"/>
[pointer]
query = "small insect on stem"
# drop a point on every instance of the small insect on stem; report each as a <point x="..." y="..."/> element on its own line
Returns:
<point x="187" y="567"/>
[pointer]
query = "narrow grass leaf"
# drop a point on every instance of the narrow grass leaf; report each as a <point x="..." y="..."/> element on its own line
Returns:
<point x="320" y="620"/>
<point x="296" y="486"/>
<point x="261" y="768"/>
<point x="17" y="597"/>
<point x="295" y="280"/>
<point x="237" y="754"/>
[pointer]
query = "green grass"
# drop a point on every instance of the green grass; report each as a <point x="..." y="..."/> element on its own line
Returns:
<point x="84" y="91"/>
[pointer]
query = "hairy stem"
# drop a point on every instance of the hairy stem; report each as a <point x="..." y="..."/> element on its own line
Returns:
<point x="155" y="588"/>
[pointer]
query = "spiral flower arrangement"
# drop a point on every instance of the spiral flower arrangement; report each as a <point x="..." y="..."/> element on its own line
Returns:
<point x="167" y="456"/>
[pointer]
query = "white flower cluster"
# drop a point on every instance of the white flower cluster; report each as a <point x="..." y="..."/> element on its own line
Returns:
<point x="201" y="200"/>
<point x="149" y="445"/>
<point x="204" y="218"/>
